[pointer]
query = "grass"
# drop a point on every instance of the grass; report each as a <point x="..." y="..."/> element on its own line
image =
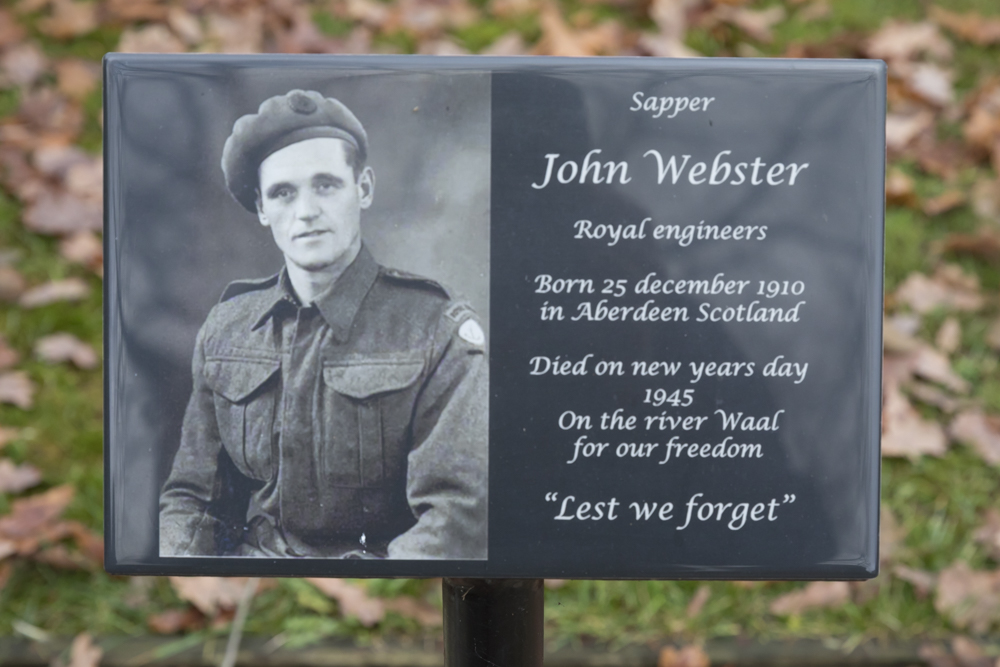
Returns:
<point x="937" y="502"/>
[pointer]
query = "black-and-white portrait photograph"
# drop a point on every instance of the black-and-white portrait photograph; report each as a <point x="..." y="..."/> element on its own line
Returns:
<point x="303" y="284"/>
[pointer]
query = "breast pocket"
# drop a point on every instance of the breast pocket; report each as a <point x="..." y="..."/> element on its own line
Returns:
<point x="245" y="394"/>
<point x="369" y="404"/>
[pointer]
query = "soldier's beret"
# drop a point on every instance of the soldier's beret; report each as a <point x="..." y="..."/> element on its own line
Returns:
<point x="281" y="121"/>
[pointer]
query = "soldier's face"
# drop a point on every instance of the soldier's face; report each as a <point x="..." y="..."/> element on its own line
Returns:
<point x="312" y="203"/>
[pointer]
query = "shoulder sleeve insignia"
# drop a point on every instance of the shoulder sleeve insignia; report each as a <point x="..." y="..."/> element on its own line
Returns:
<point x="471" y="332"/>
<point x="457" y="311"/>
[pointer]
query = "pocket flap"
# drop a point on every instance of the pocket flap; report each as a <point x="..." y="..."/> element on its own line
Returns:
<point x="365" y="379"/>
<point x="237" y="379"/>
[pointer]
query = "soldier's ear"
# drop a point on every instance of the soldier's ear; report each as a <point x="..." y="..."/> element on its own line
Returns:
<point x="366" y="187"/>
<point x="260" y="210"/>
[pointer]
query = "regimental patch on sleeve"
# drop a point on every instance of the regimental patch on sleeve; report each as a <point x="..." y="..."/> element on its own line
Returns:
<point x="458" y="311"/>
<point x="471" y="332"/>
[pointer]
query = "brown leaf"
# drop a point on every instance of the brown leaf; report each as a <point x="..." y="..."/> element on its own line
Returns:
<point x="927" y="82"/>
<point x="352" y="599"/>
<point x="173" y="621"/>
<point x="670" y="17"/>
<point x="816" y="595"/>
<point x="69" y="18"/>
<point x="210" y="595"/>
<point x="969" y="653"/>
<point x="12" y="283"/>
<point x="6" y="568"/>
<point x="153" y="38"/>
<point x="558" y="39"/>
<point x="944" y="290"/>
<point x="899" y="189"/>
<point x="56" y="159"/>
<point x="687" y="656"/>
<point x="981" y="431"/>
<point x="929" y="394"/>
<point x="936" y="656"/>
<point x="923" y="582"/>
<point x="986" y="197"/>
<point x="902" y="128"/>
<point x="83" y="248"/>
<point x="423" y="613"/>
<point x="17" y="389"/>
<point x="698" y="601"/>
<point x="949" y="336"/>
<point x="944" y="202"/>
<point x="970" y="598"/>
<point x="83" y="652"/>
<point x="661" y="46"/>
<point x="11" y="32"/>
<point x="905" y="432"/>
<point x="989" y="533"/>
<point x="31" y="516"/>
<point x="68" y="289"/>
<point x="63" y="213"/>
<point x="897" y="40"/>
<point x="8" y="355"/>
<point x="60" y="347"/>
<point x="23" y="64"/>
<point x="931" y="365"/>
<point x="89" y="543"/>
<point x="985" y="243"/>
<point x="185" y="25"/>
<point x="60" y="557"/>
<point x="133" y="11"/>
<point x="16" y="478"/>
<point x="47" y="113"/>
<point x="237" y="33"/>
<point x="77" y="78"/>
<point x="509" y="44"/>
<point x="971" y="26"/>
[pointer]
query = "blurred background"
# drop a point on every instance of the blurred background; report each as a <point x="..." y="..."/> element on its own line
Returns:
<point x="939" y="590"/>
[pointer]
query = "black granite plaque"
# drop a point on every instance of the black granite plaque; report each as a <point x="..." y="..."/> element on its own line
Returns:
<point x="596" y="318"/>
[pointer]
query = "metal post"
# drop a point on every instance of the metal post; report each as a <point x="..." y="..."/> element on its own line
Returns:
<point x="493" y="622"/>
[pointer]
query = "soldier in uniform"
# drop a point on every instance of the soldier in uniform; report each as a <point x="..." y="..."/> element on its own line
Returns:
<point x="339" y="408"/>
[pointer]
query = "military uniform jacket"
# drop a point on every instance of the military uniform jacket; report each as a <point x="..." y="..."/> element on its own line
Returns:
<point x="356" y="426"/>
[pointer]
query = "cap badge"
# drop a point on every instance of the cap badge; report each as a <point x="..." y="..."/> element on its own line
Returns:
<point x="303" y="104"/>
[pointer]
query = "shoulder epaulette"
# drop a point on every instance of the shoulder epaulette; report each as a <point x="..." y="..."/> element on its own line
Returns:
<point x="238" y="287"/>
<point x="414" y="278"/>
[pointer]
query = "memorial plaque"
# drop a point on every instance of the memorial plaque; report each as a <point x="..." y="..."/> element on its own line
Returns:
<point x="485" y="317"/>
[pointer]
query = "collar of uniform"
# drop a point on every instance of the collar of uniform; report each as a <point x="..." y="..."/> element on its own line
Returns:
<point x="340" y="303"/>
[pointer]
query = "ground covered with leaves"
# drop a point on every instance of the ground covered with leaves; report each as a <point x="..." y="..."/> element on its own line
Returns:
<point x="941" y="433"/>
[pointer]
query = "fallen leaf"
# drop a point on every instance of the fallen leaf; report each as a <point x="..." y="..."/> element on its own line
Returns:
<point x="985" y="243"/>
<point x="83" y="248"/>
<point x="949" y="336"/>
<point x="924" y="294"/>
<point x="132" y="11"/>
<point x="756" y="23"/>
<point x="687" y="656"/>
<point x="905" y="432"/>
<point x="970" y="598"/>
<point x="353" y="600"/>
<point x="69" y="18"/>
<point x="60" y="347"/>
<point x="17" y="389"/>
<point x="153" y="38"/>
<point x="661" y="46"/>
<point x="237" y="33"/>
<point x="17" y="478"/>
<point x="442" y="47"/>
<point x="899" y="189"/>
<point x="23" y="64"/>
<point x="173" y="621"/>
<point x="211" y="595"/>
<point x="6" y="569"/>
<point x="928" y="82"/>
<point x="902" y="128"/>
<point x="931" y="365"/>
<point x="88" y="543"/>
<point x="509" y="44"/>
<point x="55" y="160"/>
<point x="77" y="78"/>
<point x="69" y="289"/>
<point x="971" y="26"/>
<point x="929" y="394"/>
<point x="698" y="601"/>
<point x="986" y="198"/>
<point x="897" y="40"/>
<point x="60" y="557"/>
<point x="30" y="516"/>
<point x="989" y="533"/>
<point x="936" y="656"/>
<point x="944" y="202"/>
<point x="8" y="355"/>
<point x="185" y="25"/>
<point x="11" y="32"/>
<point x="980" y="430"/>
<point x="969" y="653"/>
<point x="558" y="39"/>
<point x="47" y="112"/>
<point x="923" y="582"/>
<point x="83" y="652"/>
<point x="12" y="283"/>
<point x="63" y="213"/>
<point x="816" y="595"/>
